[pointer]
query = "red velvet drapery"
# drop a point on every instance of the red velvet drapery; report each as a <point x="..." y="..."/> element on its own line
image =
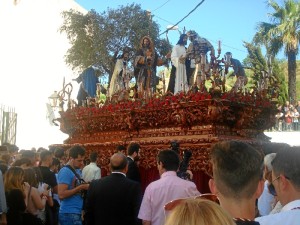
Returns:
<point x="200" y="178"/>
<point x="148" y="175"/>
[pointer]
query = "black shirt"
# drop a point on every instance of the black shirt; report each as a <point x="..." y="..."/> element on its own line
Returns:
<point x="246" y="222"/>
<point x="133" y="172"/>
<point x="48" y="176"/>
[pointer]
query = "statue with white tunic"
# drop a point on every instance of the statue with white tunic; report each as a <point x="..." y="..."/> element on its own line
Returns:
<point x="178" y="58"/>
<point x="121" y="75"/>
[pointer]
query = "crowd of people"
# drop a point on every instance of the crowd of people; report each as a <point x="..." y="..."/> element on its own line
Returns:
<point x="30" y="185"/>
<point x="65" y="187"/>
<point x="287" y="117"/>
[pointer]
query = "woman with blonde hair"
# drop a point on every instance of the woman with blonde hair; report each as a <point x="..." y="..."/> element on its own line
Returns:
<point x="199" y="212"/>
<point x="15" y="195"/>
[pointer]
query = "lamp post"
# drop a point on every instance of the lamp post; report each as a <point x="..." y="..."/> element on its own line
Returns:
<point x="52" y="107"/>
<point x="149" y="15"/>
<point x="54" y="100"/>
<point x="172" y="27"/>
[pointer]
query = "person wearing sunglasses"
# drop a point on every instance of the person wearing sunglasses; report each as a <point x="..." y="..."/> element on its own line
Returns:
<point x="275" y="204"/>
<point x="267" y="200"/>
<point x="237" y="179"/>
<point x="276" y="207"/>
<point x="286" y="182"/>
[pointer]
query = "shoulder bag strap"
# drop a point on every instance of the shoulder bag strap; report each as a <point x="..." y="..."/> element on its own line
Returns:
<point x="29" y="192"/>
<point x="76" y="174"/>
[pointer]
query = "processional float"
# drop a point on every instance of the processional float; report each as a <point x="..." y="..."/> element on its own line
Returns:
<point x="195" y="118"/>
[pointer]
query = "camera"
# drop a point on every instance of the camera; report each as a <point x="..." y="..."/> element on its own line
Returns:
<point x="175" y="146"/>
<point x="83" y="193"/>
<point x="184" y="164"/>
<point x="187" y="154"/>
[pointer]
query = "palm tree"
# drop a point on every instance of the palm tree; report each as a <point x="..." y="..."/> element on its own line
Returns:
<point x="284" y="31"/>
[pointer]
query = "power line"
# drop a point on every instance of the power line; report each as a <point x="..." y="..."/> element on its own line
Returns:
<point x="183" y="18"/>
<point x="228" y="46"/>
<point x="164" y="20"/>
<point x="160" y="6"/>
<point x="234" y="48"/>
<point x="240" y="50"/>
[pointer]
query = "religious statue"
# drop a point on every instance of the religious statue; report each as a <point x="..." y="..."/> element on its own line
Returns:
<point x="88" y="87"/>
<point x="121" y="75"/>
<point x="178" y="79"/>
<point x="145" y="64"/>
<point x="197" y="51"/>
<point x="238" y="71"/>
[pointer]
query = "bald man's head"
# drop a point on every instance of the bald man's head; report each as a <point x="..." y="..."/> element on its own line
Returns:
<point x="118" y="162"/>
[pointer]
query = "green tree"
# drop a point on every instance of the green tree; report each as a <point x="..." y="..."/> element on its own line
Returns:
<point x="258" y="63"/>
<point x="279" y="71"/>
<point x="283" y="32"/>
<point x="255" y="59"/>
<point x="98" y="38"/>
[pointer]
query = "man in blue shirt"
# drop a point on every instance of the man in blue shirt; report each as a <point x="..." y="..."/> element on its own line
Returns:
<point x="70" y="188"/>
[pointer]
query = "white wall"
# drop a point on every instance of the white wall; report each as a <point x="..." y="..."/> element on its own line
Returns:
<point x="291" y="138"/>
<point x="32" y="64"/>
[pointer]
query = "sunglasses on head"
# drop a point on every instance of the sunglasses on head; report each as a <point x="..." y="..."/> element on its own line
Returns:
<point x="209" y="196"/>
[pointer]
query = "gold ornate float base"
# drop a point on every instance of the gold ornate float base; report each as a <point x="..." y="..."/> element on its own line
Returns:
<point x="196" y="121"/>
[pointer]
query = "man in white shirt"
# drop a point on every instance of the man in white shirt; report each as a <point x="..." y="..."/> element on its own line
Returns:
<point x="286" y="182"/>
<point x="91" y="171"/>
<point x="266" y="200"/>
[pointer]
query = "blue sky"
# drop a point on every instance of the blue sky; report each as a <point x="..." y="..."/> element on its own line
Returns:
<point x="231" y="21"/>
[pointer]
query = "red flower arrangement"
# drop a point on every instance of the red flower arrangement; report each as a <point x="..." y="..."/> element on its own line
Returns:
<point x="168" y="101"/>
